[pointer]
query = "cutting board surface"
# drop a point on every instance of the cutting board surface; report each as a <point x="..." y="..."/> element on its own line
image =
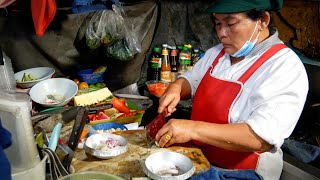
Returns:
<point x="129" y="163"/>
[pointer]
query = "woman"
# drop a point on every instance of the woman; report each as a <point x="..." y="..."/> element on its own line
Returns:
<point x="248" y="92"/>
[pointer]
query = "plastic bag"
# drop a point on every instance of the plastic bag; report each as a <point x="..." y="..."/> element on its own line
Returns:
<point x="105" y="28"/>
<point x="120" y="51"/>
<point x="108" y="28"/>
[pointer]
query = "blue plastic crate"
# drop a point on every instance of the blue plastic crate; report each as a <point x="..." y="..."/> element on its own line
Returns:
<point x="88" y="76"/>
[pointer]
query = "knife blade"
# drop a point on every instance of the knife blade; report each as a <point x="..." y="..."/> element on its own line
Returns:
<point x="153" y="127"/>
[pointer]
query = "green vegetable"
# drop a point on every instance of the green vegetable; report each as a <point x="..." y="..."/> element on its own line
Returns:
<point x="132" y="106"/>
<point x="92" y="42"/>
<point x="120" y="51"/>
<point x="28" y="77"/>
<point x="100" y="85"/>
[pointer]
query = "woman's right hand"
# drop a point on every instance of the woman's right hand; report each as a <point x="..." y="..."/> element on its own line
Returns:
<point x="170" y="99"/>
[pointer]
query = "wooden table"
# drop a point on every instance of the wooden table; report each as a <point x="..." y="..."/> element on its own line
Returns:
<point x="129" y="164"/>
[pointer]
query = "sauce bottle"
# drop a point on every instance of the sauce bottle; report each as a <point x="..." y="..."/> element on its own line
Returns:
<point x="174" y="66"/>
<point x="155" y="65"/>
<point x="183" y="67"/>
<point x="165" y="64"/>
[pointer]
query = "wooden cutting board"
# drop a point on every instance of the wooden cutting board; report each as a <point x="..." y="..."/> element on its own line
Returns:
<point x="129" y="164"/>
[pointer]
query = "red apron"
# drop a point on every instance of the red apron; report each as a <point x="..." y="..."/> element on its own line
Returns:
<point x="213" y="101"/>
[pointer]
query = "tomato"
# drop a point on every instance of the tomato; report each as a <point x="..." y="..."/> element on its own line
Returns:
<point x="157" y="89"/>
<point x="119" y="105"/>
<point x="83" y="85"/>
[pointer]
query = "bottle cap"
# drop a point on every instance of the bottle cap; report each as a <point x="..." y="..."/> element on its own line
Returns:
<point x="164" y="45"/>
<point x="165" y="52"/>
<point x="156" y="49"/>
<point x="180" y="47"/>
<point x="196" y="50"/>
<point x="189" y="46"/>
<point x="185" y="48"/>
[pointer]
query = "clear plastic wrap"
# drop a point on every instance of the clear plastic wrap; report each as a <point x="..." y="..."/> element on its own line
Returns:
<point x="7" y="79"/>
<point x="108" y="28"/>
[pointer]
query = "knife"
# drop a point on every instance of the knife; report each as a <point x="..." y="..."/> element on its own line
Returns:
<point x="54" y="137"/>
<point x="65" y="114"/>
<point x="153" y="127"/>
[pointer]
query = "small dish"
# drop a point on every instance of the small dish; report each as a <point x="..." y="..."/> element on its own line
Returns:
<point x="168" y="165"/>
<point x="40" y="73"/>
<point x="157" y="88"/>
<point x="95" y="141"/>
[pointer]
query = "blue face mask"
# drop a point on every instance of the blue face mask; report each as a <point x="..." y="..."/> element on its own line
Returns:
<point x="248" y="46"/>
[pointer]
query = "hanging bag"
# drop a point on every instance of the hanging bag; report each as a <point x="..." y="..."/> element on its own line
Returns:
<point x="110" y="30"/>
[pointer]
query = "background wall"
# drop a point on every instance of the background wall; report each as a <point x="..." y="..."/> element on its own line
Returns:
<point x="299" y="24"/>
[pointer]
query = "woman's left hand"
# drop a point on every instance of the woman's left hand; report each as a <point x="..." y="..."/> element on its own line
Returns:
<point x="175" y="131"/>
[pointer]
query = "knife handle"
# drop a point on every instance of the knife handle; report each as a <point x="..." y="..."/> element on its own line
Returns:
<point x="54" y="137"/>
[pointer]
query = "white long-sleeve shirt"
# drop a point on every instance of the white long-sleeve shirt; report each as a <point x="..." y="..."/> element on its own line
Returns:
<point x="271" y="100"/>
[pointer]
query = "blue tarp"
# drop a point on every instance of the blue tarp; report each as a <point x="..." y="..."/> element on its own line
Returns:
<point x="85" y="6"/>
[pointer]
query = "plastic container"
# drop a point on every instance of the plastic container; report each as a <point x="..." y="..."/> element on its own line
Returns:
<point x="88" y="76"/>
<point x="37" y="172"/>
<point x="15" y="114"/>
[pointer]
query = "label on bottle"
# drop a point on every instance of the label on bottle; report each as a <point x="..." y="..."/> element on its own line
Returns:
<point x="185" y="55"/>
<point x="173" y="52"/>
<point x="173" y="76"/>
<point x="165" y="76"/>
<point x="155" y="62"/>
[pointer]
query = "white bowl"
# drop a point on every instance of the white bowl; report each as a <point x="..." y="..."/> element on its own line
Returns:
<point x="41" y="73"/>
<point x="59" y="86"/>
<point x="162" y="161"/>
<point x="96" y="140"/>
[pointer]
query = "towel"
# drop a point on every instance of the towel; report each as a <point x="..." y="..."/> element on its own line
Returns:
<point x="85" y="6"/>
<point x="217" y="174"/>
<point x="302" y="151"/>
<point x="43" y="12"/>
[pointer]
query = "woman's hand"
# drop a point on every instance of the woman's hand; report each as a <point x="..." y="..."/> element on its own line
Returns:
<point x="169" y="100"/>
<point x="175" y="131"/>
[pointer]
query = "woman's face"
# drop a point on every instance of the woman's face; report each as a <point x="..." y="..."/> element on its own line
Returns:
<point x="234" y="30"/>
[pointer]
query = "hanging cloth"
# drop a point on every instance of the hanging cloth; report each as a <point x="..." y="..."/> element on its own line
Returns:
<point x="43" y="12"/>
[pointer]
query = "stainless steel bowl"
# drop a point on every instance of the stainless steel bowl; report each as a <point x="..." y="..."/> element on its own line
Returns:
<point x="180" y="161"/>
<point x="96" y="140"/>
